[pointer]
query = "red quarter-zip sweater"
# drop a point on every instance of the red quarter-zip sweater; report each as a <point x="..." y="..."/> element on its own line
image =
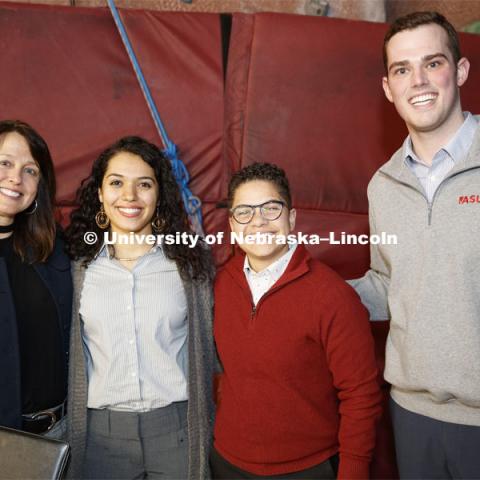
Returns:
<point x="299" y="381"/>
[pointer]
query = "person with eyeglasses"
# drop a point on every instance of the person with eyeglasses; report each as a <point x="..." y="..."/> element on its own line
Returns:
<point x="298" y="396"/>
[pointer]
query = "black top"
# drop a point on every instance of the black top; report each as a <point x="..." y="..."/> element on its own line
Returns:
<point x="42" y="369"/>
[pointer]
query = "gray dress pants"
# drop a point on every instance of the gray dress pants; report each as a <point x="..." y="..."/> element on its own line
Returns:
<point x="431" y="449"/>
<point x="125" y="445"/>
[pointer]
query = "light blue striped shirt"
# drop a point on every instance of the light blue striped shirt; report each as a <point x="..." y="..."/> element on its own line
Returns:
<point x="444" y="160"/>
<point x="134" y="327"/>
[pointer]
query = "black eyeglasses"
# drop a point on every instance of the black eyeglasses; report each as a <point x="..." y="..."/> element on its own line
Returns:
<point x="270" y="210"/>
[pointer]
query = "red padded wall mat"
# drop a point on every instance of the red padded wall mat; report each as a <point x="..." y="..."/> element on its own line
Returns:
<point x="65" y="71"/>
<point x="305" y="93"/>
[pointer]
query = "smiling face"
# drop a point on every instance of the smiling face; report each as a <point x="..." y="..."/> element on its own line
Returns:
<point x="129" y="194"/>
<point x="423" y="80"/>
<point x="257" y="192"/>
<point x="19" y="176"/>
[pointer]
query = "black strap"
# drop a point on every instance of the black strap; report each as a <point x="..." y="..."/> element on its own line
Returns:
<point x="7" y="228"/>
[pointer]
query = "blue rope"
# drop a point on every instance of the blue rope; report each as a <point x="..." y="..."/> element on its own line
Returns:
<point x="192" y="203"/>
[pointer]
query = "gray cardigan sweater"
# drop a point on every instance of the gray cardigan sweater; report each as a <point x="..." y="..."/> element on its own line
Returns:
<point x="200" y="378"/>
<point x="431" y="279"/>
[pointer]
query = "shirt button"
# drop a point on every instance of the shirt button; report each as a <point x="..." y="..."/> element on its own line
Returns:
<point x="129" y="307"/>
<point x="133" y="374"/>
<point x="131" y="342"/>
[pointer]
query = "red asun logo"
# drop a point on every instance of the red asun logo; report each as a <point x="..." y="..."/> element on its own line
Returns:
<point x="468" y="199"/>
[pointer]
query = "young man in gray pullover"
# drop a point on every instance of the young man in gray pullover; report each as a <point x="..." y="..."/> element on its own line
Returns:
<point x="428" y="194"/>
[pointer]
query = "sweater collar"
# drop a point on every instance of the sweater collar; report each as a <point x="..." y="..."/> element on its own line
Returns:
<point x="458" y="146"/>
<point x="275" y="269"/>
<point x="298" y="266"/>
<point x="398" y="169"/>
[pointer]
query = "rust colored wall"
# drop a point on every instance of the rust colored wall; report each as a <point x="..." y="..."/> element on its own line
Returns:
<point x="372" y="10"/>
<point x="459" y="12"/>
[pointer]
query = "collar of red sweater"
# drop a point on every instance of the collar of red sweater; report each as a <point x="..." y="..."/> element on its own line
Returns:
<point x="298" y="266"/>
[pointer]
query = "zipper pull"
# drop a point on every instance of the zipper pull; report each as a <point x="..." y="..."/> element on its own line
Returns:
<point x="254" y="309"/>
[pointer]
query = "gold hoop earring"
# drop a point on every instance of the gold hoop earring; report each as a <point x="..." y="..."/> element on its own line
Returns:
<point x="101" y="218"/>
<point x="158" y="224"/>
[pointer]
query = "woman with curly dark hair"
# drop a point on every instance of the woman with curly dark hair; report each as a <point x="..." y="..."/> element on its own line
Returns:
<point x="142" y="354"/>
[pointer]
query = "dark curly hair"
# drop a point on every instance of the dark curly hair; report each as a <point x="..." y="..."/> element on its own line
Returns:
<point x="417" y="19"/>
<point x="193" y="263"/>
<point x="261" y="171"/>
<point x="35" y="229"/>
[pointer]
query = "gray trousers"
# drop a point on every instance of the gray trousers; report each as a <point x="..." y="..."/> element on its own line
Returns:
<point x="430" y="449"/>
<point x="125" y="445"/>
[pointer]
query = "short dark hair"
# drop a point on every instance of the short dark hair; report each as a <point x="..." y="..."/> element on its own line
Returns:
<point x="34" y="234"/>
<point x="193" y="263"/>
<point x="417" y="19"/>
<point x="261" y="171"/>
